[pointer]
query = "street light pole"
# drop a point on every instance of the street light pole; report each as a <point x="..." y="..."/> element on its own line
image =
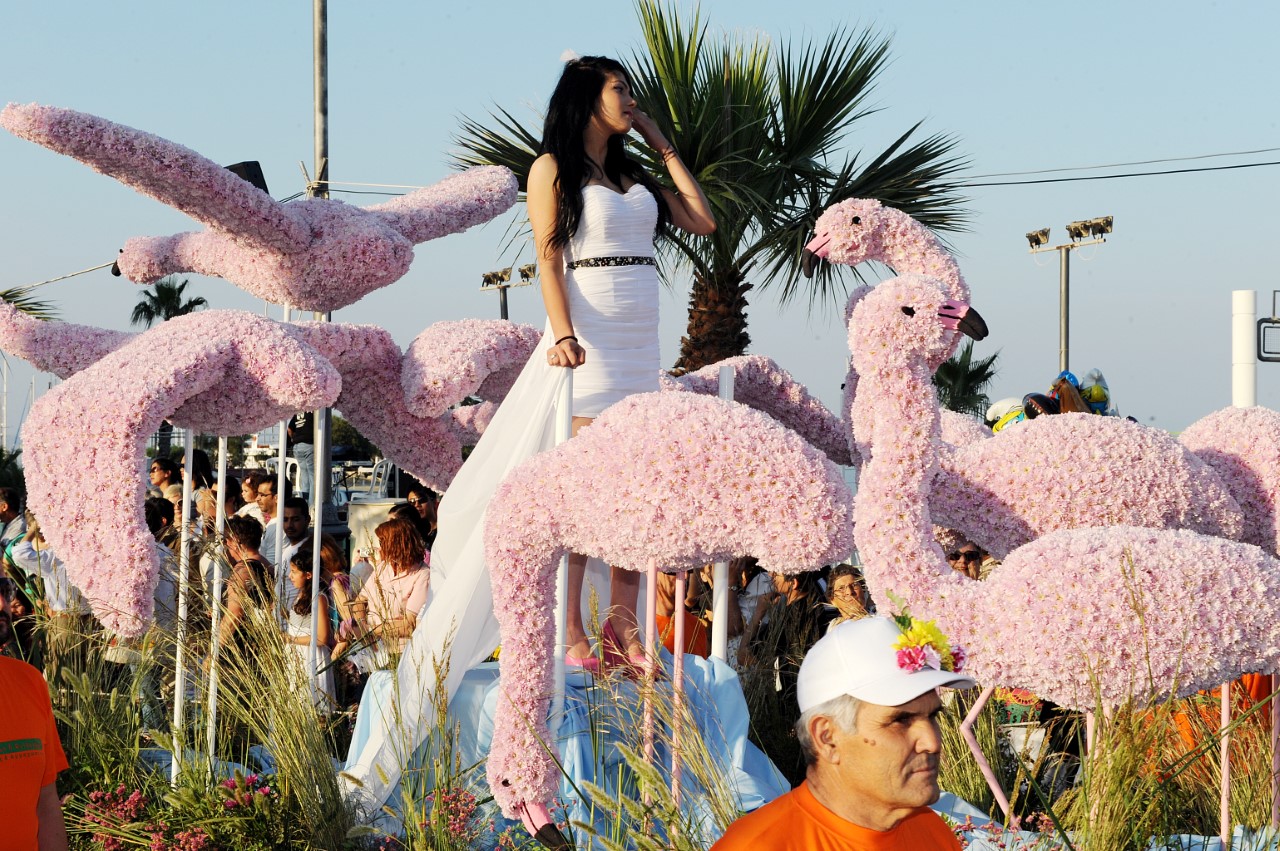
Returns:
<point x="1097" y="229"/>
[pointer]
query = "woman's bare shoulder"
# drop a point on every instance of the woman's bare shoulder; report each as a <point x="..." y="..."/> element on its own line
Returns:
<point x="544" y="168"/>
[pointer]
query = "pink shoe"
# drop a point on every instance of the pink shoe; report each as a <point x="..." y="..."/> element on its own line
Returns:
<point x="588" y="663"/>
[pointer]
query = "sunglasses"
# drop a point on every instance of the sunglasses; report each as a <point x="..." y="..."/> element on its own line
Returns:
<point x="968" y="556"/>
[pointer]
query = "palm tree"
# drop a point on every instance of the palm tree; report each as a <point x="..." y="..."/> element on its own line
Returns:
<point x="160" y="304"/>
<point x="22" y="299"/>
<point x="962" y="382"/>
<point x="762" y="128"/>
<point x="163" y="302"/>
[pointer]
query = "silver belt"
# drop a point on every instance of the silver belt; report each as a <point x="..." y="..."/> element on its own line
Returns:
<point x="595" y="262"/>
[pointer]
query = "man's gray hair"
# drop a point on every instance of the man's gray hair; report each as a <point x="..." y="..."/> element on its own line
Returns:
<point x="842" y="709"/>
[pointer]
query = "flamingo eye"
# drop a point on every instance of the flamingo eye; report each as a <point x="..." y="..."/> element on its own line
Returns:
<point x="857" y="220"/>
<point x="910" y="311"/>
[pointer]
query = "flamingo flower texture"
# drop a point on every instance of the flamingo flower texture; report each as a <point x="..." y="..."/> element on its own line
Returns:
<point x="1133" y="612"/>
<point x="220" y="372"/>
<point x="746" y="485"/>
<point x="316" y="254"/>
<point x="1004" y="491"/>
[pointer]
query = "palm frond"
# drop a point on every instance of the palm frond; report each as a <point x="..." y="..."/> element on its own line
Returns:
<point x="21" y="299"/>
<point x="510" y="144"/>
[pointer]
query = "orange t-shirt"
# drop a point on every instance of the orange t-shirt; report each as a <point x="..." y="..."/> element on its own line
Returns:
<point x="798" y="821"/>
<point x="30" y="753"/>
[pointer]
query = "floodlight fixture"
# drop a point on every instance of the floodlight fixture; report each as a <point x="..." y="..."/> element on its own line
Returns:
<point x="1078" y="230"/>
<point x="1038" y="238"/>
<point x="1100" y="226"/>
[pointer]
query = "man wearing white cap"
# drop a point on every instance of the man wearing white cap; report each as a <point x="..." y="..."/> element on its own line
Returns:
<point x="868" y="695"/>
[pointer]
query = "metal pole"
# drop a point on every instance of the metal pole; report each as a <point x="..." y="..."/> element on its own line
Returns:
<point x="1064" y="306"/>
<point x="184" y="572"/>
<point x="321" y="491"/>
<point x="277" y="557"/>
<point x="720" y="597"/>
<point x="502" y="302"/>
<point x="215" y="601"/>
<point x="320" y="49"/>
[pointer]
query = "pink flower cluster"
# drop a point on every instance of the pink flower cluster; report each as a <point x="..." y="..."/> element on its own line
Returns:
<point x="1077" y="470"/>
<point x="1131" y="611"/>
<point x="453" y="811"/>
<point x="746" y="486"/>
<point x="317" y="254"/>
<point x="111" y="810"/>
<point x="83" y="439"/>
<point x="912" y="659"/>
<point x="1243" y="446"/>
<point x="370" y="364"/>
<point x="450" y="361"/>
<point x="62" y="348"/>
<point x="246" y="790"/>
<point x="760" y="383"/>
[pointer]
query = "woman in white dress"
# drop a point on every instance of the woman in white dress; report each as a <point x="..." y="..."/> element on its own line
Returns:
<point x="595" y="214"/>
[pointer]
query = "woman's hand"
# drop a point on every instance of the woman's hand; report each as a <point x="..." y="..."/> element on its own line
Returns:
<point x="566" y="353"/>
<point x="648" y="131"/>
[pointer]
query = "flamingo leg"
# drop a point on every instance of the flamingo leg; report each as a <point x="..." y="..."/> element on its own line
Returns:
<point x="1275" y="752"/>
<point x="966" y="730"/>
<point x="677" y="687"/>
<point x="650" y="653"/>
<point x="1224" y="792"/>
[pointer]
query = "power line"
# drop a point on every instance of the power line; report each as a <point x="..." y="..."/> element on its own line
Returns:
<point x="1125" y="165"/>
<point x="1118" y="176"/>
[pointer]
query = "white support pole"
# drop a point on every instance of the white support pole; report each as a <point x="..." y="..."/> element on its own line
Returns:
<point x="677" y="688"/>
<point x="564" y="431"/>
<point x="184" y="588"/>
<point x="720" y="596"/>
<point x="215" y="601"/>
<point x="281" y="571"/>
<point x="1244" y="355"/>
<point x="320" y="495"/>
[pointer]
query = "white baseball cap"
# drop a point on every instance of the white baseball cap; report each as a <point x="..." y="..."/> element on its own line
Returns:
<point x="858" y="658"/>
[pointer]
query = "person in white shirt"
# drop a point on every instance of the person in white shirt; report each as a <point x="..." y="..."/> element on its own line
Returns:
<point x="15" y="524"/>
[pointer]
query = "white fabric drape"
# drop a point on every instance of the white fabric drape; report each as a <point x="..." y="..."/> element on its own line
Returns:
<point x="459" y="612"/>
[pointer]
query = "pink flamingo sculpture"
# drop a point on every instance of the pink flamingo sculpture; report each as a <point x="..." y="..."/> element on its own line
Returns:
<point x="729" y="482"/>
<point x="316" y="254"/>
<point x="1243" y="446"/>
<point x="220" y="372"/>
<point x="1022" y="483"/>
<point x="1131" y="612"/>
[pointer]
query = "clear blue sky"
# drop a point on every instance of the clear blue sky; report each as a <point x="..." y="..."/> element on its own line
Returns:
<point x="1023" y="86"/>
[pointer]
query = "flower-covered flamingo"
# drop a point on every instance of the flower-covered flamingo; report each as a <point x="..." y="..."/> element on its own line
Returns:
<point x="1023" y="483"/>
<point x="316" y="254"/>
<point x="1123" y="610"/>
<point x="221" y="372"/>
<point x="745" y="485"/>
<point x="1243" y="446"/>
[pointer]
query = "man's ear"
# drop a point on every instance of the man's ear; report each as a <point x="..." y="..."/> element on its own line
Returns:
<point x="823" y="731"/>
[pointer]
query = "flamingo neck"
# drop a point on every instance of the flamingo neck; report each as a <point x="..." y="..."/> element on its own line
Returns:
<point x="919" y="251"/>
<point x="893" y="528"/>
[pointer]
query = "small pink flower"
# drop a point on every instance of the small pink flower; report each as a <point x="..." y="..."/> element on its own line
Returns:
<point x="911" y="659"/>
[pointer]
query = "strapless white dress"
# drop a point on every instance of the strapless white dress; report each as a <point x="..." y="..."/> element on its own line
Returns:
<point x="615" y="318"/>
<point x="614" y="309"/>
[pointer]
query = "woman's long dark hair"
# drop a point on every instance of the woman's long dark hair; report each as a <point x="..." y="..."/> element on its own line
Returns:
<point x="572" y="104"/>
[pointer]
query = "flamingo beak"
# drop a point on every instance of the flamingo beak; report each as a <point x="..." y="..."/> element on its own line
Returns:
<point x="814" y="252"/>
<point x="958" y="316"/>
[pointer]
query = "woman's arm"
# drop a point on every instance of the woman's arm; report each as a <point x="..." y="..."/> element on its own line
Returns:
<point x="690" y="209"/>
<point x="543" y="202"/>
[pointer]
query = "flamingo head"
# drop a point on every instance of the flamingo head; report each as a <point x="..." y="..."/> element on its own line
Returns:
<point x="909" y="320"/>
<point x="851" y="232"/>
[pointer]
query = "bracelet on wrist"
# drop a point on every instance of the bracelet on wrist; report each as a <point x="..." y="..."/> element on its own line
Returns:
<point x="669" y="153"/>
<point x="566" y="337"/>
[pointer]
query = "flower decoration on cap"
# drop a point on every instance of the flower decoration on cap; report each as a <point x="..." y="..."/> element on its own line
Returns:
<point x="922" y="644"/>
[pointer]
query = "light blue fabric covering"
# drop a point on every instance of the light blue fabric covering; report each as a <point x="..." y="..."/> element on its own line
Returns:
<point x="715" y="701"/>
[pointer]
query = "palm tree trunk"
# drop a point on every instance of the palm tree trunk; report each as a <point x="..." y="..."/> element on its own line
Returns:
<point x="717" y="320"/>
